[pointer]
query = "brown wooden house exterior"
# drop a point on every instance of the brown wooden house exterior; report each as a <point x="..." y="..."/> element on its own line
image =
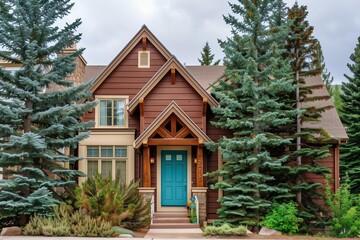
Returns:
<point x="164" y="118"/>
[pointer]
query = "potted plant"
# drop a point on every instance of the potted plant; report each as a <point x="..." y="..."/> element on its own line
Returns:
<point x="191" y="208"/>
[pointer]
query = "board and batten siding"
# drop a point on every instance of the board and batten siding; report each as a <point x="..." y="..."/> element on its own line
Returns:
<point x="181" y="92"/>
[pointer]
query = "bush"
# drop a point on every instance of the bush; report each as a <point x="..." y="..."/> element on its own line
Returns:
<point x="283" y="218"/>
<point x="113" y="201"/>
<point x="224" y="229"/>
<point x="345" y="208"/>
<point x="66" y="223"/>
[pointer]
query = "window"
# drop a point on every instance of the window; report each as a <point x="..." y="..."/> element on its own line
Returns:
<point x="107" y="160"/>
<point x="112" y="112"/>
<point x="144" y="59"/>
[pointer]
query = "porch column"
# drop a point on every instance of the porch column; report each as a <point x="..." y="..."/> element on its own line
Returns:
<point x="200" y="193"/>
<point x="146" y="167"/>
<point x="200" y="167"/>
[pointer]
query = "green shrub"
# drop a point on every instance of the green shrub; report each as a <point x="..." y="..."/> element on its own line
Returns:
<point x="284" y="218"/>
<point x="345" y="208"/>
<point x="224" y="229"/>
<point x="66" y="223"/>
<point x="113" y="201"/>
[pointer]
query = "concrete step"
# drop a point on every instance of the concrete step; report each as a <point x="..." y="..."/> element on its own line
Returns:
<point x="171" y="220"/>
<point x="173" y="225"/>
<point x="170" y="215"/>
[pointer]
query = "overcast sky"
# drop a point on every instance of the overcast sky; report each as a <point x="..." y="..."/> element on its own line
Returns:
<point x="184" y="26"/>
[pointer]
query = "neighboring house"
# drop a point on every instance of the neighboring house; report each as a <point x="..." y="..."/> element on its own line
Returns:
<point x="153" y="119"/>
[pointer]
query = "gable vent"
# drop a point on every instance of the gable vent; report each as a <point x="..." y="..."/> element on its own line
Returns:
<point x="144" y="59"/>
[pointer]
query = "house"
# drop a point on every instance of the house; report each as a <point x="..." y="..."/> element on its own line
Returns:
<point x="153" y="119"/>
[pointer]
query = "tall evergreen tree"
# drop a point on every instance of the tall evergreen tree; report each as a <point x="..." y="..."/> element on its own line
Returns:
<point x="207" y="57"/>
<point x="256" y="76"/>
<point x="303" y="53"/>
<point x="350" y="153"/>
<point x="34" y="125"/>
<point x="326" y="75"/>
<point x="337" y="98"/>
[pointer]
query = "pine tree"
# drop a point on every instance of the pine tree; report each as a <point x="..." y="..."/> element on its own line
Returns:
<point x="34" y="125"/>
<point x="326" y="75"/>
<point x="256" y="76"/>
<point x="337" y="98"/>
<point x="207" y="57"/>
<point x="303" y="52"/>
<point x="350" y="116"/>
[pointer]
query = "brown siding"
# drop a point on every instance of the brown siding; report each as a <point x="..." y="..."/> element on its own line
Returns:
<point x="181" y="92"/>
<point x="127" y="79"/>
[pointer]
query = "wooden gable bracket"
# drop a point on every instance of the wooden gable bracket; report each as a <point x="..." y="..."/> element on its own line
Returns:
<point x="204" y="109"/>
<point x="144" y="43"/>
<point x="141" y="106"/>
<point x="173" y="79"/>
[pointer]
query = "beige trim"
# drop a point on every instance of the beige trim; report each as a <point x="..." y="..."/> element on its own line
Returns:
<point x="170" y="109"/>
<point x="199" y="189"/>
<point x="109" y="139"/>
<point x="111" y="97"/>
<point x="148" y="59"/>
<point x="146" y="189"/>
<point x="158" y="175"/>
<point x="171" y="63"/>
<point x="143" y="32"/>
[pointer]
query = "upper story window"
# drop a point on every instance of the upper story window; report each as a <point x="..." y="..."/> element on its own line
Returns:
<point x="111" y="112"/>
<point x="144" y="59"/>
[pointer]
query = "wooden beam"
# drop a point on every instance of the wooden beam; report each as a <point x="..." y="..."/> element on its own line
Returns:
<point x="200" y="167"/>
<point x="141" y="106"/>
<point x="173" y="79"/>
<point x="173" y="126"/>
<point x="204" y="109"/>
<point x="183" y="133"/>
<point x="144" y="43"/>
<point x="173" y="142"/>
<point x="163" y="132"/>
<point x="146" y="167"/>
<point x="337" y="166"/>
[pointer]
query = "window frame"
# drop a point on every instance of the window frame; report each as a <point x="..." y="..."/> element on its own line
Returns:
<point x="139" y="59"/>
<point x="114" y="159"/>
<point x="111" y="98"/>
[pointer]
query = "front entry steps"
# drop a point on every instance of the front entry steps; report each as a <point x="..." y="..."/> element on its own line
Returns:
<point x="171" y="220"/>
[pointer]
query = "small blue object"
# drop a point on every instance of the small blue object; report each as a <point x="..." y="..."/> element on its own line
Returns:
<point x="192" y="199"/>
<point x="192" y="206"/>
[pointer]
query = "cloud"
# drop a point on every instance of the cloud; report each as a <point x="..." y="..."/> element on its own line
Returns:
<point x="184" y="26"/>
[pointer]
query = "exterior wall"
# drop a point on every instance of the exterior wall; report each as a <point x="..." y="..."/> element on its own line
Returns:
<point x="127" y="78"/>
<point x="165" y="92"/>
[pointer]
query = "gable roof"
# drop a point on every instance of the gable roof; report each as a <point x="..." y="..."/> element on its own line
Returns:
<point x="171" y="63"/>
<point x="329" y="120"/>
<point x="206" y="75"/>
<point x="172" y="108"/>
<point x="143" y="32"/>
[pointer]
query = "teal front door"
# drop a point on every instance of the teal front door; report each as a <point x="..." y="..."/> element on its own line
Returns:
<point x="173" y="178"/>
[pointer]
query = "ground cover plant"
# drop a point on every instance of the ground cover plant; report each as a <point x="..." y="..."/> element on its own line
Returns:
<point x="225" y="229"/>
<point x="66" y="222"/>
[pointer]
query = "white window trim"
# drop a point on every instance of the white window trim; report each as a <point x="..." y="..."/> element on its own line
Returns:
<point x="111" y="97"/>
<point x="148" y="60"/>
